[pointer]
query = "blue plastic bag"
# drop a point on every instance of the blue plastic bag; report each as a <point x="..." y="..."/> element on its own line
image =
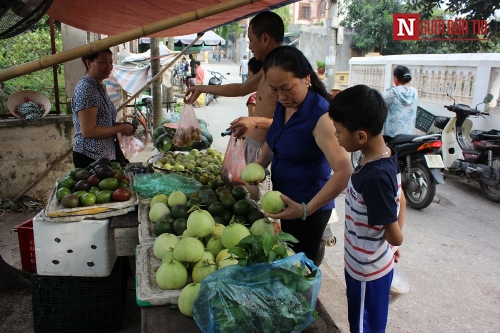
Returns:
<point x="266" y="298"/>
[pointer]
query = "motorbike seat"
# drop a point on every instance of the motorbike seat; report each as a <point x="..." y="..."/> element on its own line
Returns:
<point x="485" y="135"/>
<point x="147" y="100"/>
<point x="401" y="138"/>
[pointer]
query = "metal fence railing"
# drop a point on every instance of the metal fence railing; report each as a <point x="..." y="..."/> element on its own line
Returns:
<point x="30" y="45"/>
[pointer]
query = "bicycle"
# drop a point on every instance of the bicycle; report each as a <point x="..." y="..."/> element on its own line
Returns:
<point x="179" y="78"/>
<point x="142" y="118"/>
<point x="215" y="80"/>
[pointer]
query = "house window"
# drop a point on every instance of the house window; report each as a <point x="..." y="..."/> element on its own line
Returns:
<point x="304" y="11"/>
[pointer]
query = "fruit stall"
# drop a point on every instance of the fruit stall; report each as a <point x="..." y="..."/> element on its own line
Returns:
<point x="206" y="256"/>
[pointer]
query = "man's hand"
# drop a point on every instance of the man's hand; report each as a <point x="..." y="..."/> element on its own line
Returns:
<point x="192" y="94"/>
<point x="293" y="210"/>
<point x="242" y="125"/>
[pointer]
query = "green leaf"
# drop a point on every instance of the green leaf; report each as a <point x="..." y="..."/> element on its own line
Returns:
<point x="281" y="250"/>
<point x="242" y="262"/>
<point x="286" y="237"/>
<point x="312" y="274"/>
<point x="250" y="239"/>
<point x="267" y="243"/>
<point x="239" y="252"/>
<point x="271" y="256"/>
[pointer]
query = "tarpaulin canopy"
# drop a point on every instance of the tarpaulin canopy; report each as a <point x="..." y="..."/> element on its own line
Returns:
<point x="112" y="17"/>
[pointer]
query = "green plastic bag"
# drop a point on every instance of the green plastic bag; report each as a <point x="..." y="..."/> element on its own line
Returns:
<point x="150" y="184"/>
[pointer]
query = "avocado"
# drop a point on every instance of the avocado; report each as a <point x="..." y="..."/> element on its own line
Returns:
<point x="108" y="184"/>
<point x="104" y="173"/>
<point x="103" y="196"/>
<point x="82" y="185"/>
<point x="83" y="175"/>
<point x="70" y="201"/>
<point x="102" y="160"/>
<point x="66" y="182"/>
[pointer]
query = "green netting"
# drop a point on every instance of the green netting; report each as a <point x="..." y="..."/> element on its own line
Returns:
<point x="150" y="184"/>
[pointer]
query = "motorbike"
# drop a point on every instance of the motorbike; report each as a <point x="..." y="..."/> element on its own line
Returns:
<point x="473" y="154"/>
<point x="420" y="166"/>
<point x="215" y="80"/>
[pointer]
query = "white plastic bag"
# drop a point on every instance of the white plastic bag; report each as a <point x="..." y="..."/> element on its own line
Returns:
<point x="130" y="146"/>
<point x="400" y="284"/>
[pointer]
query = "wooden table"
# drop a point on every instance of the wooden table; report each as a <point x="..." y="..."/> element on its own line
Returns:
<point x="166" y="319"/>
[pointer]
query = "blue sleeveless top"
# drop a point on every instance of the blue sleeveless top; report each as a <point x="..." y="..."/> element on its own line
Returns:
<point x="299" y="168"/>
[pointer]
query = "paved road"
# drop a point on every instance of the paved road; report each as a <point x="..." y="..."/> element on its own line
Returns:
<point x="450" y="253"/>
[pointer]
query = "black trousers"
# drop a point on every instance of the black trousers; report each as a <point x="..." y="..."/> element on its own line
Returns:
<point x="81" y="161"/>
<point x="308" y="232"/>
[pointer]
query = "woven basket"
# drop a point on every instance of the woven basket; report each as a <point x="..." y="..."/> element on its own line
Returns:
<point x="16" y="99"/>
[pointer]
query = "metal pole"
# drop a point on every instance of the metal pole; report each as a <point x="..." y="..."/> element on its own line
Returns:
<point x="156" y="85"/>
<point x="54" y="68"/>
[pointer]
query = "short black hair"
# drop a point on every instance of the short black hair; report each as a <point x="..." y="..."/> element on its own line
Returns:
<point x="269" y="23"/>
<point x="93" y="56"/>
<point x="359" y="108"/>
<point x="197" y="63"/>
<point x="254" y="65"/>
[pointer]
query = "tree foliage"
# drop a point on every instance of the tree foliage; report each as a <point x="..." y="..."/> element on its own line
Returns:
<point x="31" y="45"/>
<point x="228" y="29"/>
<point x="372" y="23"/>
<point x="286" y="15"/>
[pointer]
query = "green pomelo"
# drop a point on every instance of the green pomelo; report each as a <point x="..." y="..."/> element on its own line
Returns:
<point x="176" y="198"/>
<point x="157" y="211"/>
<point x="260" y="226"/>
<point x="253" y="172"/>
<point x="187" y="297"/>
<point x="202" y="269"/>
<point x="233" y="233"/>
<point x="171" y="275"/>
<point x="200" y="223"/>
<point x="159" y="198"/>
<point x="163" y="243"/>
<point x="189" y="249"/>
<point x="271" y="202"/>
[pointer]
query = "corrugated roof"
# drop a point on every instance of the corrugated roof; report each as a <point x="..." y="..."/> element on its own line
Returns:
<point x="111" y="17"/>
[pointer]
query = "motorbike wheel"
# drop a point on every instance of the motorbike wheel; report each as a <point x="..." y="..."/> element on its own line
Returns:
<point x="356" y="157"/>
<point x="422" y="195"/>
<point x="209" y="97"/>
<point x="321" y="253"/>
<point x="492" y="192"/>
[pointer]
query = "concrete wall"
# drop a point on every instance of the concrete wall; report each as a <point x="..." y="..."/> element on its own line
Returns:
<point x="28" y="149"/>
<point x="74" y="69"/>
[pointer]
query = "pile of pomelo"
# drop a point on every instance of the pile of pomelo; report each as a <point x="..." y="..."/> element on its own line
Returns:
<point x="102" y="182"/>
<point x="193" y="236"/>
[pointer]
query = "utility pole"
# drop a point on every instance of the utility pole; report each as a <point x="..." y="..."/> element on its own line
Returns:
<point x="169" y="96"/>
<point x="156" y="85"/>
<point x="331" y="27"/>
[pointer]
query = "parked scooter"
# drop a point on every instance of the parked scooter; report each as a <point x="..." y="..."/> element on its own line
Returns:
<point x="215" y="80"/>
<point x="472" y="154"/>
<point x="420" y="166"/>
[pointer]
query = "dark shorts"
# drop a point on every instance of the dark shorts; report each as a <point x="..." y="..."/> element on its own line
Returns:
<point x="81" y="161"/>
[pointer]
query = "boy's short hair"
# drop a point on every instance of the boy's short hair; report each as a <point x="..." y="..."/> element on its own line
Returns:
<point x="359" y="108"/>
<point x="254" y="65"/>
<point x="198" y="63"/>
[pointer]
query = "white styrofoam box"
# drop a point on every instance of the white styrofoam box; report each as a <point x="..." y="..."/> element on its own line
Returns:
<point x="148" y="293"/>
<point x="146" y="233"/>
<point x="82" y="248"/>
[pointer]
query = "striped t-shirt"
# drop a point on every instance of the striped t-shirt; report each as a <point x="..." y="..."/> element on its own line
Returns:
<point x="372" y="200"/>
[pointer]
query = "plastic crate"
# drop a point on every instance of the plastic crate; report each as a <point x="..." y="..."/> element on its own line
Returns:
<point x="425" y="119"/>
<point x="26" y="245"/>
<point x="77" y="304"/>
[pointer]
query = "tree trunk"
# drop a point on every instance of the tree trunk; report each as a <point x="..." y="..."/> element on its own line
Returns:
<point x="12" y="278"/>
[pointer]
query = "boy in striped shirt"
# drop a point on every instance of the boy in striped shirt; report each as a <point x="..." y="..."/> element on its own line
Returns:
<point x="373" y="219"/>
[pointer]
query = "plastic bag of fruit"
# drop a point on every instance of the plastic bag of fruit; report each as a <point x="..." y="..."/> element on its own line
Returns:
<point x="234" y="162"/>
<point x="269" y="298"/>
<point x="188" y="129"/>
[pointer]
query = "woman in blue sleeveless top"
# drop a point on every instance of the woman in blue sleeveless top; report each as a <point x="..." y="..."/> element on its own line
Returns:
<point x="303" y="149"/>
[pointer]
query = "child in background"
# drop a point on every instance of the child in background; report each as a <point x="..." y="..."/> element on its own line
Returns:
<point x="373" y="219"/>
<point x="254" y="66"/>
